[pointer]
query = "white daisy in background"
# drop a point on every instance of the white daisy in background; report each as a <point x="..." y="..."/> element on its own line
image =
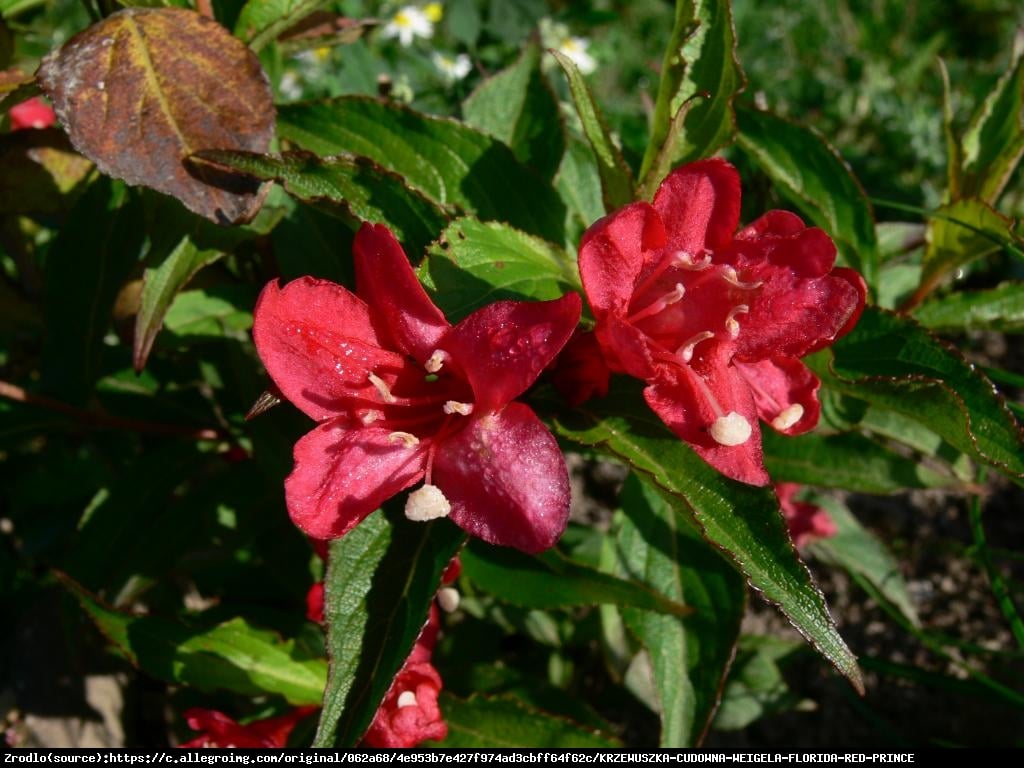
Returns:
<point x="575" y="49"/>
<point x="452" y="67"/>
<point x="409" y="23"/>
<point x="290" y="85"/>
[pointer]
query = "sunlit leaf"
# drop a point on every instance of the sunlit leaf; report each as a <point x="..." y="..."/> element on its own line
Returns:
<point x="997" y="309"/>
<point x="260" y="21"/>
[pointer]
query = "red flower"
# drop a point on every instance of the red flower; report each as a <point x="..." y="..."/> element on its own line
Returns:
<point x="806" y="522"/>
<point x="715" y="322"/>
<point x="34" y="113"/>
<point x="218" y="730"/>
<point x="315" y="603"/>
<point x="402" y="396"/>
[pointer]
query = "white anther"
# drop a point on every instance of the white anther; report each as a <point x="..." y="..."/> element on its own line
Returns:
<point x="454" y="406"/>
<point x="427" y="503"/>
<point x="731" y="429"/>
<point x="732" y="325"/>
<point x="407" y="699"/>
<point x="410" y="441"/>
<point x="378" y="382"/>
<point x="448" y="599"/>
<point x="368" y="417"/>
<point x="730" y="276"/>
<point x="436" y="361"/>
<point x="686" y="350"/>
<point x="685" y="260"/>
<point x="788" y="417"/>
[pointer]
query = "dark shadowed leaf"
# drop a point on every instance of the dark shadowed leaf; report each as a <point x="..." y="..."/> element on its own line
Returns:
<point x="505" y="722"/>
<point x="39" y="172"/>
<point x="689" y="656"/>
<point x="186" y="80"/>
<point x="518" y="106"/>
<point x="450" y="162"/>
<point x="817" y="180"/>
<point x="381" y="578"/>
<point x="756" y="686"/>
<point x="476" y="263"/>
<point x="233" y="656"/>
<point x="742" y="520"/>
<point x="998" y="309"/>
<point x="260" y="21"/>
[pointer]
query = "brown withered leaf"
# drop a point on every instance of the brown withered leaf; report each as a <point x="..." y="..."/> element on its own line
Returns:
<point x="144" y="88"/>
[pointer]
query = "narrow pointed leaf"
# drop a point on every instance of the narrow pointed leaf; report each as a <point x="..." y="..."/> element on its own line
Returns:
<point x="689" y="656"/>
<point x="817" y="180"/>
<point x="451" y="163"/>
<point x="579" y="184"/>
<point x="381" y="579"/>
<point x="997" y="309"/>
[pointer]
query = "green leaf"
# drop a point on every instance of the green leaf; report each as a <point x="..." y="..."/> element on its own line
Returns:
<point x="997" y="309"/>
<point x="261" y="21"/>
<point x="689" y="656"/>
<point x="846" y="460"/>
<point x="742" y="520"/>
<point x="756" y="686"/>
<point x="504" y="722"/>
<point x="857" y="550"/>
<point x="213" y="312"/>
<point x="462" y="18"/>
<point x="552" y="580"/>
<point x="579" y="184"/>
<point x="518" y="107"/>
<point x="700" y="63"/>
<point x="449" y="162"/>
<point x="381" y="579"/>
<point x="233" y="656"/>
<point x="994" y="141"/>
<point x="476" y="263"/>
<point x="893" y="363"/>
<point x="617" y="186"/>
<point x="355" y="188"/>
<point x="91" y="257"/>
<point x="817" y="180"/>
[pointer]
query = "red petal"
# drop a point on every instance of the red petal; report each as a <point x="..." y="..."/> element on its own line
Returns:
<point x="399" y="305"/>
<point x="317" y="343"/>
<point x="403" y="727"/>
<point x="772" y="223"/>
<point x="680" y="398"/>
<point x="854" y="278"/>
<point x="342" y="475"/>
<point x="779" y="385"/>
<point x="580" y="372"/>
<point x="700" y="205"/>
<point x="506" y="480"/>
<point x="34" y="113"/>
<point x="503" y="347"/>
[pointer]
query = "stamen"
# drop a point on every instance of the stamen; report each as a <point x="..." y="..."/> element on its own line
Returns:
<point x="427" y="503"/>
<point x="672" y="297"/>
<point x="685" y="260"/>
<point x="686" y="350"/>
<point x="378" y="382"/>
<point x="448" y="598"/>
<point x="454" y="406"/>
<point x="407" y="699"/>
<point x="731" y="323"/>
<point x="410" y="440"/>
<point x="788" y="417"/>
<point x="368" y="417"/>
<point x="730" y="276"/>
<point x="436" y="361"/>
<point x="731" y="429"/>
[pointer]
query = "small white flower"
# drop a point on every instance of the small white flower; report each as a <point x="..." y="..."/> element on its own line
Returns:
<point x="453" y="68"/>
<point x="290" y="86"/>
<point x="409" y="23"/>
<point x="575" y="48"/>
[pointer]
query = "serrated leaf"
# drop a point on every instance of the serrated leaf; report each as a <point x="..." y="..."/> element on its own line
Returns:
<point x="847" y="460"/>
<point x="689" y="656"/>
<point x="997" y="309"/>
<point x="994" y="141"/>
<point x="892" y="362"/>
<point x="505" y="722"/>
<point x="261" y="21"/>
<point x="354" y="187"/>
<point x="817" y="180"/>
<point x="700" y="62"/>
<point x="617" y="185"/>
<point x="742" y="520"/>
<point x="552" y="580"/>
<point x="518" y="107"/>
<point x="191" y="83"/>
<point x="452" y="164"/>
<point x="381" y="578"/>
<point x="857" y="550"/>
<point x="476" y="263"/>
<point x="233" y="656"/>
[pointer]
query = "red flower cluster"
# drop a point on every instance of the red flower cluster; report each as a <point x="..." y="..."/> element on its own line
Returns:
<point x="714" y="322"/>
<point x="34" y="113"/>
<point x="806" y="522"/>
<point x="217" y="730"/>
